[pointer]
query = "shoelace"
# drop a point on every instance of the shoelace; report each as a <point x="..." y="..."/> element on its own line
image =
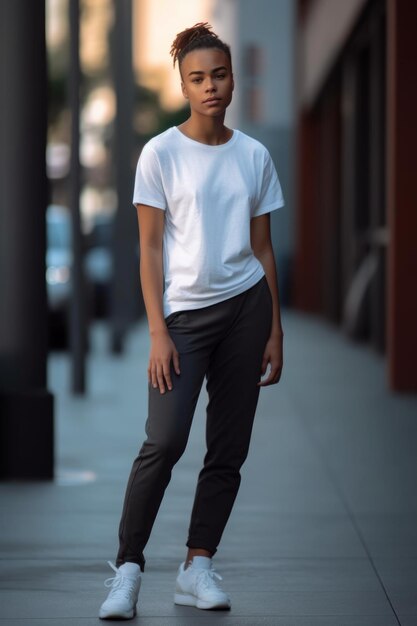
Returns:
<point x="122" y="586"/>
<point x="207" y="579"/>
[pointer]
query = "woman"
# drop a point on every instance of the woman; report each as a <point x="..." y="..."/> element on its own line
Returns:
<point x="203" y="194"/>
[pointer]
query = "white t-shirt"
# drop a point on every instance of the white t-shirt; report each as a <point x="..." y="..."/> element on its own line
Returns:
<point x="209" y="195"/>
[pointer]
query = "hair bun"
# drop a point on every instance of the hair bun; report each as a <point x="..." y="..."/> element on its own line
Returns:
<point x="185" y="37"/>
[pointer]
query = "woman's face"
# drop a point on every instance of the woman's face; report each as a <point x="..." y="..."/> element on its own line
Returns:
<point x="206" y="74"/>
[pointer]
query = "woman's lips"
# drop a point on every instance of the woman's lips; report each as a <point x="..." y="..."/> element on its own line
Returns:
<point x="212" y="101"/>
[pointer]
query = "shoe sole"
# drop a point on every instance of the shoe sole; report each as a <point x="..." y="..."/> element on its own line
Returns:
<point x="115" y="615"/>
<point x="186" y="599"/>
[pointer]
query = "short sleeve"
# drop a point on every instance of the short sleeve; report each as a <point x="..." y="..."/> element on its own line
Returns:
<point x="148" y="181"/>
<point x="270" y="196"/>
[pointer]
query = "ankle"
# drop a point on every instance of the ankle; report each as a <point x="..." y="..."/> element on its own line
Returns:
<point x="192" y="552"/>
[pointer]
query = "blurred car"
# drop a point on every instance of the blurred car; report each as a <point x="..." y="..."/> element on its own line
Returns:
<point x="58" y="272"/>
<point x="98" y="264"/>
<point x="59" y="276"/>
<point x="98" y="270"/>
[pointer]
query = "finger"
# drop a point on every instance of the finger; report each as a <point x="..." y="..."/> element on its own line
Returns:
<point x="154" y="380"/>
<point x="160" y="378"/>
<point x="176" y="362"/>
<point x="264" y="365"/>
<point x="149" y="373"/>
<point x="266" y="382"/>
<point x="167" y="376"/>
<point x="273" y="378"/>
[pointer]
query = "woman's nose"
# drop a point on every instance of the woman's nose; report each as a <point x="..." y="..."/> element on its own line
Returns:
<point x="210" y="84"/>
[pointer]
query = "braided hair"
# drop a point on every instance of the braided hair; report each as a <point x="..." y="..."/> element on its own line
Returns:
<point x="197" y="37"/>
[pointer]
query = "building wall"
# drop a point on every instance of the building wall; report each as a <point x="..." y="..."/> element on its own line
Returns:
<point x="356" y="134"/>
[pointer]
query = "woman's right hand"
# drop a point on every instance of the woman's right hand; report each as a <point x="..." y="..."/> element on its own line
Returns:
<point x="162" y="351"/>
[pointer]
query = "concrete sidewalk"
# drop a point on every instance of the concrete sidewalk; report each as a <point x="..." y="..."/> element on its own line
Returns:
<point x="324" y="530"/>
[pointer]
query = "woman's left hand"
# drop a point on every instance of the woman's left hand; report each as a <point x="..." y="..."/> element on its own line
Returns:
<point x="274" y="356"/>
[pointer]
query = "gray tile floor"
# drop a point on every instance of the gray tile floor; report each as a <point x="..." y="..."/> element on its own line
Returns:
<point x="324" y="530"/>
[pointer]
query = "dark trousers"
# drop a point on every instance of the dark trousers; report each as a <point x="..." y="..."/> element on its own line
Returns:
<point x="224" y="342"/>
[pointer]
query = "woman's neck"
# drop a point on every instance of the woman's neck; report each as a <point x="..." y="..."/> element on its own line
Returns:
<point x="209" y="130"/>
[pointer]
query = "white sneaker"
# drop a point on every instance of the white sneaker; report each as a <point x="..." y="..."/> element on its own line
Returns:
<point x="123" y="596"/>
<point x="197" y="586"/>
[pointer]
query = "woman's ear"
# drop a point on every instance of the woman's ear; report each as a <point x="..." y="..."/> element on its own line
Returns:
<point x="184" y="91"/>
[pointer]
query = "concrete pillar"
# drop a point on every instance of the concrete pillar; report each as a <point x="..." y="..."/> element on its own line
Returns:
<point x="401" y="193"/>
<point x="78" y="316"/>
<point x="307" y="269"/>
<point x="26" y="407"/>
<point x="126" y="284"/>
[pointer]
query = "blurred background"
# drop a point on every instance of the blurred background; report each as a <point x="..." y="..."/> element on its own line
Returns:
<point x="324" y="84"/>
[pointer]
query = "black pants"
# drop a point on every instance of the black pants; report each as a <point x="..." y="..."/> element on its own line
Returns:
<point x="224" y="342"/>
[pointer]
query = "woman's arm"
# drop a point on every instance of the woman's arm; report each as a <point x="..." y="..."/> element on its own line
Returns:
<point x="151" y="229"/>
<point x="262" y="248"/>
